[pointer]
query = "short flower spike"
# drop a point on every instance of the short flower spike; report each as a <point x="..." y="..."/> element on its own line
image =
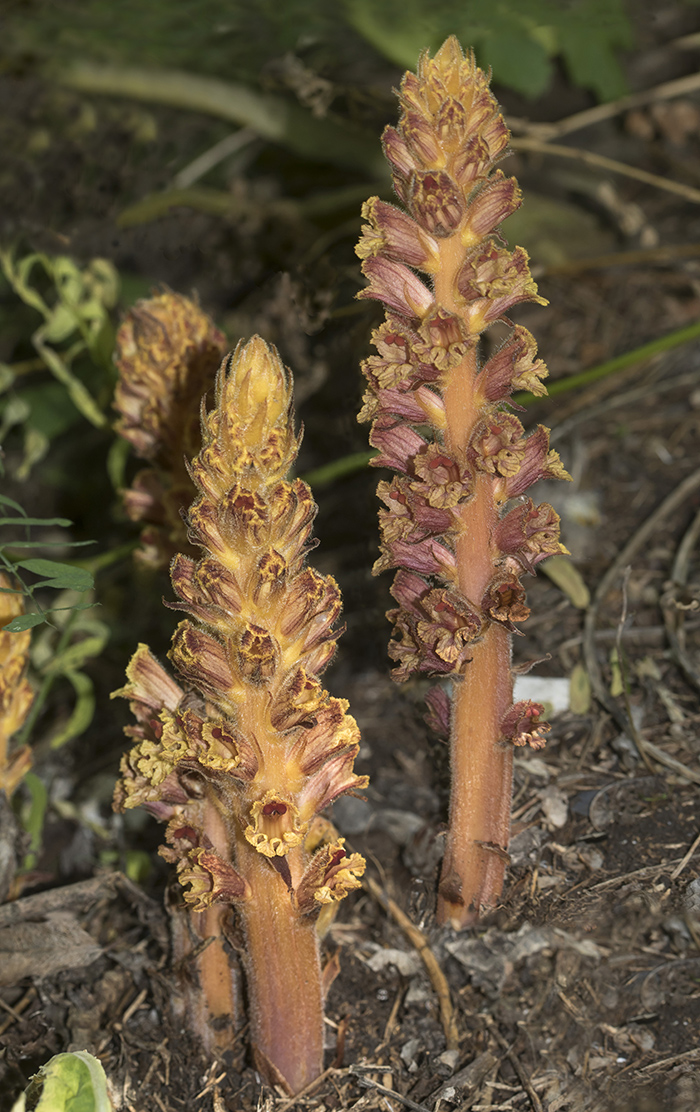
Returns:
<point x="440" y="420"/>
<point x="16" y="695"/>
<point x="167" y="353"/>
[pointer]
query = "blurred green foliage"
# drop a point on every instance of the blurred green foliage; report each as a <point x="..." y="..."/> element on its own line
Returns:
<point x="234" y="39"/>
<point x="72" y="336"/>
<point x="518" y="39"/>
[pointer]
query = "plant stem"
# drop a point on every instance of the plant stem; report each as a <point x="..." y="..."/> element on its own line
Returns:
<point x="215" y="1010"/>
<point x="284" y="977"/>
<point x="482" y="772"/>
<point x="481" y="768"/>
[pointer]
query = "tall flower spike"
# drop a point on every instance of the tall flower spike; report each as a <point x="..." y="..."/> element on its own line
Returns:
<point x="460" y="554"/>
<point x="241" y="759"/>
<point x="167" y="354"/>
<point x="16" y="695"/>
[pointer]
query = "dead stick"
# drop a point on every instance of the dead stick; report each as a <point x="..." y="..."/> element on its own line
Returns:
<point x="522" y="1076"/>
<point x="420" y="943"/>
<point x="612" y="164"/>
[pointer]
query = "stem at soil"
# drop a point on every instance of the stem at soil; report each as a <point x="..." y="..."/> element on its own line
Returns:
<point x="284" y="982"/>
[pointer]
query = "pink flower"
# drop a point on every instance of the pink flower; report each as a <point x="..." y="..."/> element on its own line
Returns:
<point x="498" y="198"/>
<point x="427" y="557"/>
<point x="397" y="286"/>
<point x="523" y="725"/>
<point x="502" y="278"/>
<point x="392" y="234"/>
<point x="434" y="628"/>
<point x="530" y="533"/>
<point x="439" y="707"/>
<point x="513" y="367"/>
<point x="397" y="443"/>
<point x="436" y="202"/>
<point x="538" y="462"/>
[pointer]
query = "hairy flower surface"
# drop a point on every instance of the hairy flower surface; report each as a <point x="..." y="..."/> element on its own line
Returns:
<point x="16" y="695"/>
<point x="167" y="354"/>
<point x="242" y="754"/>
<point x="439" y="419"/>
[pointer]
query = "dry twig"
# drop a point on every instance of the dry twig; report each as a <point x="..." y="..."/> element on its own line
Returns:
<point x="682" y="864"/>
<point x="681" y="86"/>
<point x="673" y="614"/>
<point x="419" y="941"/>
<point x="665" y="254"/>
<point x="368" y="1083"/>
<point x="515" y="1063"/>
<point x="644" y="533"/>
<point x="578" y="154"/>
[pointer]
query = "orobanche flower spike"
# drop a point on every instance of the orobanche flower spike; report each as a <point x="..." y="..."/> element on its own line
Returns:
<point x="243" y="754"/>
<point x="16" y="695"/>
<point x="439" y="421"/>
<point x="167" y="354"/>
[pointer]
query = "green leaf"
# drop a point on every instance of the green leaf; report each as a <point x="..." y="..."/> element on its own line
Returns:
<point x="62" y="521"/>
<point x="579" y="690"/>
<point x="338" y="468"/>
<point x="61" y="324"/>
<point x="5" y="501"/>
<point x="101" y="344"/>
<point x="83" y="710"/>
<point x="518" y="61"/>
<point x="15" y="411"/>
<point x="117" y="459"/>
<point x="7" y="377"/>
<point x="568" y="579"/>
<point x="617" y="684"/>
<point x="33" y="817"/>
<point x="138" y="865"/>
<point x="81" y="397"/>
<point x="18" y="277"/>
<point x="399" y="40"/>
<point x="52" y="411"/>
<point x="36" y="445"/>
<point x="75" y="655"/>
<point x="591" y="62"/>
<point x="69" y="1083"/>
<point x="24" y="621"/>
<point x="48" y="544"/>
<point x="77" y="580"/>
<point x="61" y="576"/>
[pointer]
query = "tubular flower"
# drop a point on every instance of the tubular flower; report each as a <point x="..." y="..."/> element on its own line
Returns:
<point x="244" y="752"/>
<point x="167" y="355"/>
<point x="16" y="695"/>
<point x="439" y="420"/>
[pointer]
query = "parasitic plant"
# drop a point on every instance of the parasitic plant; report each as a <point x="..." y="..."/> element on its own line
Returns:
<point x="242" y="755"/>
<point x="167" y="353"/>
<point x="16" y="695"/>
<point x="456" y="522"/>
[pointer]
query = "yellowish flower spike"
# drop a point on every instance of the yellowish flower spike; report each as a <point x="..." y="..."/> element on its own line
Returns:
<point x="242" y="755"/>
<point x="16" y="695"/>
<point x="167" y="354"/>
<point x="440" y="420"/>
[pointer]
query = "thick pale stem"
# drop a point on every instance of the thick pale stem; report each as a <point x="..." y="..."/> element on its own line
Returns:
<point x="482" y="770"/>
<point x="481" y="766"/>
<point x="283" y="968"/>
<point x="214" y="1007"/>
